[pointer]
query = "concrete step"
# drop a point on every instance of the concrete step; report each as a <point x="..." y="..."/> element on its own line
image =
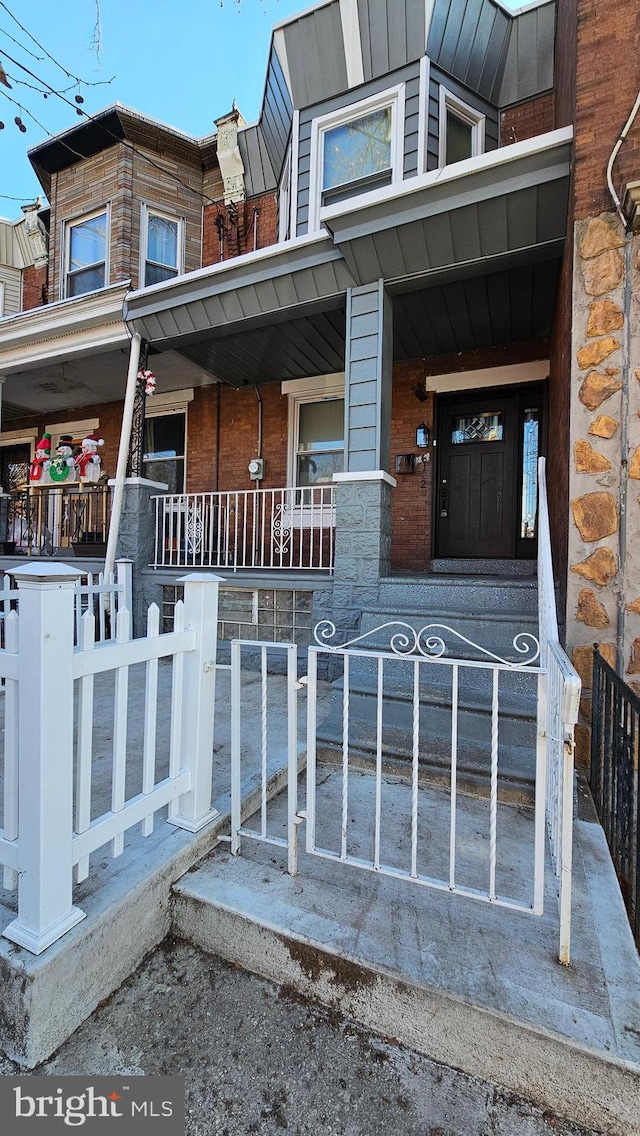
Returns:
<point x="472" y="985"/>
<point x="503" y="568"/>
<point x="458" y="594"/>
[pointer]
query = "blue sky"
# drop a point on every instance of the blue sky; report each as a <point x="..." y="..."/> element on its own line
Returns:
<point x="181" y="61"/>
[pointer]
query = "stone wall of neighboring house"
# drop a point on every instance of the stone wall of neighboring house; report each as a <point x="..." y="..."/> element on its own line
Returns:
<point x="527" y="119"/>
<point x="603" y="590"/>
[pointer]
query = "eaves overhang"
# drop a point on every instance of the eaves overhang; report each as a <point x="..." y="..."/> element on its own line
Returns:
<point x="474" y="216"/>
<point x="285" y="281"/>
<point x="89" y="322"/>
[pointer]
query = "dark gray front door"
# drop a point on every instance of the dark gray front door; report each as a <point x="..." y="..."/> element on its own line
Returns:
<point x="478" y="476"/>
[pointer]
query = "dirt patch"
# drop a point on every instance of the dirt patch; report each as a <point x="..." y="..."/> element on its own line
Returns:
<point x="340" y="972"/>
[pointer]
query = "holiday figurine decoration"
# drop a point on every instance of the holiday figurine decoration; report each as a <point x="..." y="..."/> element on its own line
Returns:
<point x="41" y="463"/>
<point x="62" y="468"/>
<point x="88" y="462"/>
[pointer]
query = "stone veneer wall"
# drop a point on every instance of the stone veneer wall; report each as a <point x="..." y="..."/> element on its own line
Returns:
<point x="603" y="593"/>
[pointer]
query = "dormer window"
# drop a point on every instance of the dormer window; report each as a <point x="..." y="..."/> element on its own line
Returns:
<point x="356" y="150"/>
<point x="86" y="254"/>
<point x="461" y="130"/>
<point x="162" y="246"/>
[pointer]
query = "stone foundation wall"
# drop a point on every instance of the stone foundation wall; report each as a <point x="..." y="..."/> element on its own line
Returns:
<point x="603" y="581"/>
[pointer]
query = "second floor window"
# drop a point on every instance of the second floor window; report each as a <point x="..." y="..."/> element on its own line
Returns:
<point x="461" y="130"/>
<point x="86" y="254"/>
<point x="162" y="242"/>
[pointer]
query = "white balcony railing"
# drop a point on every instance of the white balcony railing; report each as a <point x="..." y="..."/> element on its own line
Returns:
<point x="255" y="528"/>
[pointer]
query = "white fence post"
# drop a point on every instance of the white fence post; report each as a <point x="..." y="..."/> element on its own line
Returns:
<point x="45" y="766"/>
<point x="124" y="576"/>
<point x="193" y="810"/>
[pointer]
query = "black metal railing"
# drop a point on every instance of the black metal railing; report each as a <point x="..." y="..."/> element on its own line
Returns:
<point x="615" y="743"/>
<point x="44" y="521"/>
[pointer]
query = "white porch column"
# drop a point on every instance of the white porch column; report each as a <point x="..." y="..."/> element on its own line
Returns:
<point x="123" y="454"/>
<point x="45" y="756"/>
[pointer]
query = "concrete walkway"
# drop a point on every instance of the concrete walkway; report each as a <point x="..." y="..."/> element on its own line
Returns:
<point x="473" y="985"/>
<point x="257" y="1060"/>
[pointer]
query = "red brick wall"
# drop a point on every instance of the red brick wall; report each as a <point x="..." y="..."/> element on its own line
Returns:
<point x="525" y="120"/>
<point x="411" y="499"/>
<point x="606" y="88"/>
<point x="565" y="63"/>
<point x="237" y="227"/>
<point x="34" y="287"/>
<point x="226" y="469"/>
<point x="109" y="414"/>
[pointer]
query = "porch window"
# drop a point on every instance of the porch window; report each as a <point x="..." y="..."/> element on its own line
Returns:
<point x="320" y="448"/>
<point x="164" y="450"/>
<point x="356" y="150"/>
<point x="461" y="130"/>
<point x="162" y="244"/>
<point x="86" y="254"/>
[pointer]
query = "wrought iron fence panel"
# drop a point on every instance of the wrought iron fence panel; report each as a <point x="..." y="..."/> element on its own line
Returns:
<point x="615" y="745"/>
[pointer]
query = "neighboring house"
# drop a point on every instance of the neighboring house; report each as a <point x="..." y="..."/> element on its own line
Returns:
<point x="359" y="312"/>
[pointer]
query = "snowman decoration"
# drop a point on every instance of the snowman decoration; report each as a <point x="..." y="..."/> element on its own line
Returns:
<point x="41" y="463"/>
<point x="62" y="468"/>
<point x="88" y="462"/>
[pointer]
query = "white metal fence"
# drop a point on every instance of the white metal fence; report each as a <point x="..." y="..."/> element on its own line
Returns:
<point x="48" y="827"/>
<point x="255" y="528"/>
<point x="413" y="659"/>
<point x="557" y="717"/>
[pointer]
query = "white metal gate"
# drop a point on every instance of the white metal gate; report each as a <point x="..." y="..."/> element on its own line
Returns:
<point x="476" y="828"/>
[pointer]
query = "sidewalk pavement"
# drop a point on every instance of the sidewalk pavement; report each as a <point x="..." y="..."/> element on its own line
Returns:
<point x="257" y="1059"/>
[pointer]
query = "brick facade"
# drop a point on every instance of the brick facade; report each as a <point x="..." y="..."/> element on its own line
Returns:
<point x="34" y="287"/>
<point x="608" y="45"/>
<point x="233" y="230"/>
<point x="526" y="119"/>
<point x="125" y="180"/>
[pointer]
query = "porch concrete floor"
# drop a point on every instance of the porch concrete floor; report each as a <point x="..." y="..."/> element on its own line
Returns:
<point x="474" y="985"/>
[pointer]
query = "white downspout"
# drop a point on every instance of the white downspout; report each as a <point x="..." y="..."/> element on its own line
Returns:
<point x="614" y="154"/>
<point x="123" y="455"/>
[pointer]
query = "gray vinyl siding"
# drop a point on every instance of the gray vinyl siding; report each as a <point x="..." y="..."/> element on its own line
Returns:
<point x="258" y="173"/>
<point x="469" y="40"/>
<point x="529" y="63"/>
<point x="277" y="114"/>
<point x="436" y="80"/>
<point x="315" y="54"/>
<point x="366" y="393"/>
<point x="392" y="34"/>
<point x="409" y="75"/>
<point x="12" y="280"/>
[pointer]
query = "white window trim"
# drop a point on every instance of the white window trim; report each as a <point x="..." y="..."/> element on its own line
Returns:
<point x="77" y="429"/>
<point x="393" y="97"/>
<point x="145" y="210"/>
<point x="284" y="199"/>
<point x="67" y="225"/>
<point x="300" y="391"/>
<point x="2" y="299"/>
<point x="423" y="113"/>
<point x="474" y="118"/>
<point x="172" y="402"/>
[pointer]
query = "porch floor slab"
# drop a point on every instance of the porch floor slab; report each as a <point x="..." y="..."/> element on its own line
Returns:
<point x="473" y="985"/>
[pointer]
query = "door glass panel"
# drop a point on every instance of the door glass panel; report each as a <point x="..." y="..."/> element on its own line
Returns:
<point x="478" y="428"/>
<point x="530" y="451"/>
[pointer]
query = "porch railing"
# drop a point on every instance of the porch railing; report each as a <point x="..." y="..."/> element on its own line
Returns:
<point x="558" y="703"/>
<point x="41" y="521"/>
<point x="615" y="750"/>
<point x="254" y="528"/>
